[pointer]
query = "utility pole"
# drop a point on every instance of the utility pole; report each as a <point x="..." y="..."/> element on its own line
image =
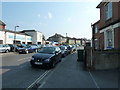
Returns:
<point x="15" y="37"/>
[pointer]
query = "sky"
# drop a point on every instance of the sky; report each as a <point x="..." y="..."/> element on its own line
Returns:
<point x="73" y="18"/>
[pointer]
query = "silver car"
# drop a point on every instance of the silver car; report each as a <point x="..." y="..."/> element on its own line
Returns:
<point x="4" y="48"/>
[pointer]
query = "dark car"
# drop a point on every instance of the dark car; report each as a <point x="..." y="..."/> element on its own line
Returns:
<point x="48" y="56"/>
<point x="12" y="46"/>
<point x="28" y="49"/>
<point x="64" y="51"/>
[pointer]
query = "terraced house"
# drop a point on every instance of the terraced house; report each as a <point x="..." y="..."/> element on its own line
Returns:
<point x="106" y="31"/>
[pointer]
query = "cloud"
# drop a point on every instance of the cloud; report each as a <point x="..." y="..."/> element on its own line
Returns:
<point x="50" y="15"/>
<point x="69" y="19"/>
<point x="39" y="15"/>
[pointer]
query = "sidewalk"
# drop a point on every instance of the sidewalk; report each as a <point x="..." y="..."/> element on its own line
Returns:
<point x="71" y="74"/>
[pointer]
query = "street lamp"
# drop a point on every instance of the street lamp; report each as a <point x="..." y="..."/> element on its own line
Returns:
<point x="15" y="37"/>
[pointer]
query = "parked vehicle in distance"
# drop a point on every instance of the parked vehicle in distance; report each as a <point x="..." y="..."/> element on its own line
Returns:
<point x="69" y="48"/>
<point x="64" y="50"/>
<point x="7" y="46"/>
<point x="73" y="48"/>
<point x="3" y="48"/>
<point x="48" y="56"/>
<point x="28" y="49"/>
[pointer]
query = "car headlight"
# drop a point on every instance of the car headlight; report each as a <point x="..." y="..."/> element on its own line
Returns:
<point x="32" y="58"/>
<point x="47" y="60"/>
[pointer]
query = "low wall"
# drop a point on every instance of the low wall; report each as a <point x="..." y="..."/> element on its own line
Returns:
<point x="106" y="60"/>
<point x="101" y="60"/>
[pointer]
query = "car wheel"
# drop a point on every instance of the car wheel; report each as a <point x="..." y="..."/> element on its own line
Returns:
<point x="7" y="51"/>
<point x="36" y="51"/>
<point x="26" y="51"/>
<point x="52" y="65"/>
<point x="60" y="60"/>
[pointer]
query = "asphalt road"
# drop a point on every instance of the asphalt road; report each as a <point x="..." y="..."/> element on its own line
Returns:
<point x="18" y="73"/>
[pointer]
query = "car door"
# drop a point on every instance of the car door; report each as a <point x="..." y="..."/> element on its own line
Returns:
<point x="4" y="48"/>
<point x="30" y="48"/>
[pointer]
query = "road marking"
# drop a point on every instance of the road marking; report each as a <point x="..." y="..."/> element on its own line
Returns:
<point x="94" y="80"/>
<point x="39" y="79"/>
<point x="23" y="59"/>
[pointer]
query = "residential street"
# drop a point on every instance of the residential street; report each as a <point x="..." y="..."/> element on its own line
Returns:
<point x="71" y="74"/>
<point x="17" y="73"/>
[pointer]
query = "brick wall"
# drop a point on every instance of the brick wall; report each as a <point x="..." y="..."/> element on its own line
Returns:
<point x="2" y="27"/>
<point x="101" y="60"/>
<point x="117" y="38"/>
<point x="115" y="14"/>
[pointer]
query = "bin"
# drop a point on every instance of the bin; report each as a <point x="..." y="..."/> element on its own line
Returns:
<point x="80" y="55"/>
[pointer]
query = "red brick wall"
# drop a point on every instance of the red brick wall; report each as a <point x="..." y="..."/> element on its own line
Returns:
<point x="2" y="27"/>
<point x="117" y="38"/>
<point x="115" y="15"/>
<point x="101" y="40"/>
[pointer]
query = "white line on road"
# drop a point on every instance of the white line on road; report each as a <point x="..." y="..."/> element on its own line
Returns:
<point x="39" y="79"/>
<point x="94" y="80"/>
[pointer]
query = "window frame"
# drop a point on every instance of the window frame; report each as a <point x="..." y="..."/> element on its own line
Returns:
<point x="108" y="10"/>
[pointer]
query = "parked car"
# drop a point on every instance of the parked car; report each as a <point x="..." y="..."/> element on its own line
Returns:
<point x="48" y="56"/>
<point x="3" y="48"/>
<point x="74" y="48"/>
<point x="12" y="47"/>
<point x="69" y="48"/>
<point x="7" y="46"/>
<point x="64" y="51"/>
<point x="28" y="49"/>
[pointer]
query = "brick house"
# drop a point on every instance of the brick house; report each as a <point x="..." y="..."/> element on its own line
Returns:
<point x="106" y="31"/>
<point x="57" y="38"/>
<point x="64" y="40"/>
<point x="2" y="25"/>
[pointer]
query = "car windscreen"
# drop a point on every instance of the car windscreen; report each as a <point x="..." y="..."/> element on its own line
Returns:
<point x="48" y="50"/>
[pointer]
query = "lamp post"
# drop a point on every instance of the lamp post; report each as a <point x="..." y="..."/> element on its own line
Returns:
<point x="15" y="37"/>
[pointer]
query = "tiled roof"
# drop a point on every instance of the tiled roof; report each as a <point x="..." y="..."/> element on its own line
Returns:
<point x="2" y="23"/>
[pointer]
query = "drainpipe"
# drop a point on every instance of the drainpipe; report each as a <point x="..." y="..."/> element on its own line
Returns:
<point x="91" y="61"/>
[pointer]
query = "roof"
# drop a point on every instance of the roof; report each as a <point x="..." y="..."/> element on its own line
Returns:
<point x="2" y="23"/>
<point x="95" y="23"/>
<point x="30" y="31"/>
<point x="102" y="3"/>
<point x="57" y="35"/>
<point x="15" y="32"/>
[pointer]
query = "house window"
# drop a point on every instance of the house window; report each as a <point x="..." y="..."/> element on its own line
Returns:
<point x="108" y="10"/>
<point x="109" y="39"/>
<point x="96" y="43"/>
<point x="96" y="28"/>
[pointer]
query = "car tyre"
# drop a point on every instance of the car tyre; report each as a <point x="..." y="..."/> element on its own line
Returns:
<point x="26" y="51"/>
<point x="36" y="51"/>
<point x="52" y="65"/>
<point x="7" y="51"/>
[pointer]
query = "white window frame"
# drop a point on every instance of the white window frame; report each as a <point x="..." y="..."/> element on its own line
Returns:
<point x="96" y="28"/>
<point x="106" y="38"/>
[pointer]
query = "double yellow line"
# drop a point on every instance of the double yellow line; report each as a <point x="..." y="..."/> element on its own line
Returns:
<point x="38" y="79"/>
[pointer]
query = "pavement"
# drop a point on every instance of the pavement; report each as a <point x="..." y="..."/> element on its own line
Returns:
<point x="71" y="74"/>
